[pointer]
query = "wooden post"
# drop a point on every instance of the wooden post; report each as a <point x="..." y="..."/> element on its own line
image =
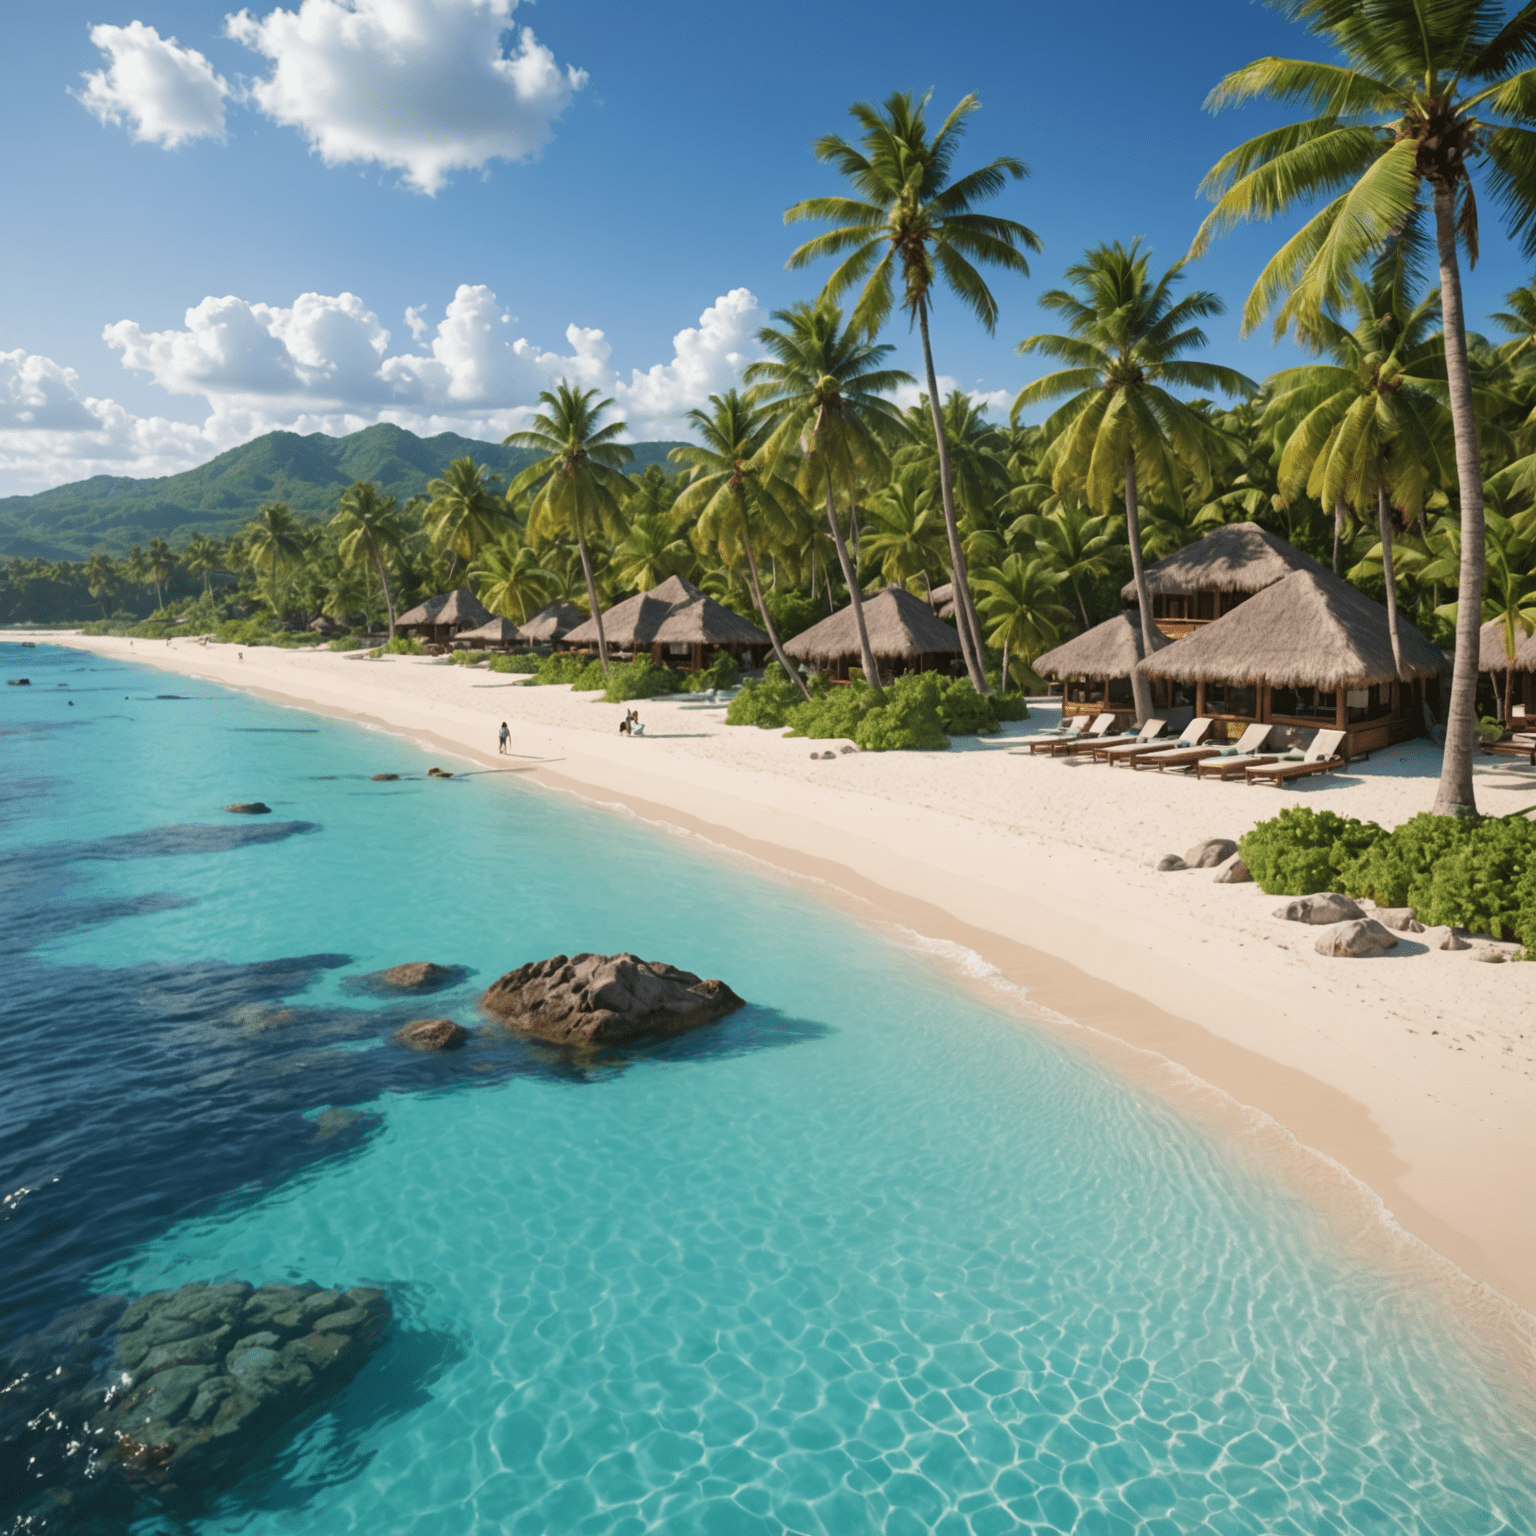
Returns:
<point x="1341" y="709"/>
<point x="1200" y="698"/>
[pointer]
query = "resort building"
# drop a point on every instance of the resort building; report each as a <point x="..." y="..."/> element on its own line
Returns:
<point x="904" y="636"/>
<point x="440" y="618"/>
<point x="681" y="626"/>
<point x="1203" y="581"/>
<point x="1493" y="658"/>
<point x="498" y="635"/>
<point x="551" y="623"/>
<point x="1307" y="652"/>
<point x="1095" y="669"/>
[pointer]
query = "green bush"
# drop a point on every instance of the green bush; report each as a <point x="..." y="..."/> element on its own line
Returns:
<point x="911" y="721"/>
<point x="466" y="658"/>
<point x="638" y="679"/>
<point x="1490" y="729"/>
<point x="1301" y="851"/>
<point x="583" y="673"/>
<point x="766" y="704"/>
<point x="722" y="672"/>
<point x="1010" y="706"/>
<point x="793" y="613"/>
<point x="403" y="645"/>
<point x="506" y="664"/>
<point x="832" y="713"/>
<point x="964" y="711"/>
<point x="348" y="643"/>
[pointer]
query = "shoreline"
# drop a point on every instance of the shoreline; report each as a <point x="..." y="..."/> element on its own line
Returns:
<point x="1443" y="1137"/>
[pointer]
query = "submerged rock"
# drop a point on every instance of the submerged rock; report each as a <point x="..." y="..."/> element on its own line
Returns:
<point x="415" y="976"/>
<point x="432" y="1035"/>
<point x="1210" y="853"/>
<point x="250" y="808"/>
<point x="385" y="778"/>
<point x="605" y="999"/>
<point x="1325" y="907"/>
<point x="1356" y="940"/>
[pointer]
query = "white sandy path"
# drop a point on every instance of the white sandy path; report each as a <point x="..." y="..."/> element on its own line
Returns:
<point x="1423" y="1062"/>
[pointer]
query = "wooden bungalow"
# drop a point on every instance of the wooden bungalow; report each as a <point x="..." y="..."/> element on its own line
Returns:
<point x="1095" y="671"/>
<point x="499" y="634"/>
<point x="681" y="626"/>
<point x="551" y="624"/>
<point x="442" y="617"/>
<point x="1307" y="652"/>
<point x="1205" y="580"/>
<point x="1493" y="658"/>
<point x="903" y="633"/>
<point x="942" y="600"/>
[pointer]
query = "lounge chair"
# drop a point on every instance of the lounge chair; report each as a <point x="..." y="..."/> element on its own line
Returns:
<point x="1066" y="745"/>
<point x="1248" y="752"/>
<point x="1068" y="730"/>
<point x="1191" y="739"/>
<point x="1512" y="747"/>
<point x="1150" y="730"/>
<point x="1322" y="756"/>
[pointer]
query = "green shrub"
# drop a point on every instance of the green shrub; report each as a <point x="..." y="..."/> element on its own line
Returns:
<point x="583" y="673"/>
<point x="793" y="613"/>
<point x="1010" y="706"/>
<point x="766" y="704"/>
<point x="831" y="713"/>
<point x="964" y="711"/>
<point x="911" y="721"/>
<point x="348" y="643"/>
<point x="466" y="658"/>
<point x="505" y="664"/>
<point x="638" y="679"/>
<point x="1301" y="851"/>
<point x="1490" y="729"/>
<point x="722" y="672"/>
<point x="403" y="645"/>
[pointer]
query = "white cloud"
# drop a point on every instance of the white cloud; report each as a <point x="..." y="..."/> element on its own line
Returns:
<point x="422" y="86"/>
<point x="324" y="364"/>
<point x="169" y="94"/>
<point x="997" y="402"/>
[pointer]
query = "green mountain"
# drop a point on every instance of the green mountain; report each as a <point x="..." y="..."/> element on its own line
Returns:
<point x="309" y="473"/>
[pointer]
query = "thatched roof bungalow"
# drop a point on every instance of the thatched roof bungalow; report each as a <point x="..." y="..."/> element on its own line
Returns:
<point x="1207" y="579"/>
<point x="1307" y="651"/>
<point x="942" y="600"/>
<point x="678" y="623"/>
<point x="902" y="629"/>
<point x="498" y="632"/>
<point x="1492" y="657"/>
<point x="441" y="617"/>
<point x="1095" y="666"/>
<point x="551" y="623"/>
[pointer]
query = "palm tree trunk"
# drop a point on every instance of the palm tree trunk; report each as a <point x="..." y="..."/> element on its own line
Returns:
<point x="767" y="618"/>
<point x="1455" y="795"/>
<point x="597" y="616"/>
<point x="1509" y="677"/>
<point x="1141" y="689"/>
<point x="855" y="597"/>
<point x="1384" y="528"/>
<point x="965" y="610"/>
<point x="389" y="600"/>
<point x="1338" y="535"/>
<point x="1082" y="607"/>
<point x="1005" y="666"/>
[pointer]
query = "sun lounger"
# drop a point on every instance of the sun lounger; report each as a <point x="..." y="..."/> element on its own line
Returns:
<point x="1068" y="730"/>
<point x="1511" y="748"/>
<point x="1150" y="731"/>
<point x="1191" y="739"/>
<point x="1191" y="757"/>
<point x="1098" y="731"/>
<point x="1322" y="756"/>
<point x="1247" y="752"/>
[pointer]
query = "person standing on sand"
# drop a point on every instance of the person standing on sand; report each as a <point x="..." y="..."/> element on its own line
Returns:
<point x="501" y="745"/>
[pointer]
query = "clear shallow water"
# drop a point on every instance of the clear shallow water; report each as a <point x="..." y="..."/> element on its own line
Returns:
<point x="867" y="1257"/>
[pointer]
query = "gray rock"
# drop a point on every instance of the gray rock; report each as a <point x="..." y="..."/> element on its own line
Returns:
<point x="1210" y="853"/>
<point x="209" y="1395"/>
<point x="1169" y="861"/>
<point x="249" y="808"/>
<point x="340" y="1322"/>
<point x="1325" y="907"/>
<point x="385" y="778"/>
<point x="415" y="976"/>
<point x="1444" y="938"/>
<point x="432" y="1035"/>
<point x="603" y="999"/>
<point x="1399" y="918"/>
<point x="266" y="1339"/>
<point x="200" y="1349"/>
<point x="1355" y="940"/>
<point x="846" y="750"/>
<point x="165" y="1394"/>
<point x="1235" y="873"/>
<point x="223" y="1303"/>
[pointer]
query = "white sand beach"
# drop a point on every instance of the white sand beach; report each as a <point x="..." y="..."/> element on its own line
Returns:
<point x="1416" y="1071"/>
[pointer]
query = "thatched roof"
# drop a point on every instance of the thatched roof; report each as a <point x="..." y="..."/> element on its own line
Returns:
<point x="1310" y="630"/>
<point x="943" y="600"/>
<point x="898" y="624"/>
<point x="498" y="632"/>
<point x="552" y="623"/>
<point x="324" y="624"/>
<point x="457" y="608"/>
<point x="1491" y="656"/>
<point x="1109" y="649"/>
<point x="675" y="612"/>
<point x="1239" y="557"/>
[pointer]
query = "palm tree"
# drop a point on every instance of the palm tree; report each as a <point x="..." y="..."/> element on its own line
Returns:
<point x="1511" y="593"/>
<point x="650" y="551"/>
<point x="1071" y="540"/>
<point x="202" y="557"/>
<point x="162" y="562"/>
<point x="908" y="211"/>
<point x="464" y="514"/>
<point x="579" y="476"/>
<point x="1366" y="427"/>
<point x="1425" y="93"/>
<point x="737" y="499"/>
<point x="1020" y="604"/>
<point x="826" y="386"/>
<point x="274" y="542"/>
<point x="368" y="526"/>
<point x="1120" y="430"/>
<point x="512" y="580"/>
<point x="136" y="567"/>
<point x="101" y="578"/>
<point x="907" y="534"/>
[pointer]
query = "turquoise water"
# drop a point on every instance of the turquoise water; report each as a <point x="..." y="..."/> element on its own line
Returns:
<point x="869" y="1256"/>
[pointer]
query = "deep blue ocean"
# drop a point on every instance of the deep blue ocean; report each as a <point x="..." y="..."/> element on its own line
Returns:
<point x="869" y="1256"/>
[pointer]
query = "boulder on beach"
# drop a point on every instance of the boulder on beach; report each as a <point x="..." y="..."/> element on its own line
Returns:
<point x="1210" y="853"/>
<point x="1356" y="940"/>
<point x="1400" y="918"/>
<point x="250" y="808"/>
<point x="432" y="1035"/>
<point x="1444" y="937"/>
<point x="1235" y="873"/>
<point x="605" y="999"/>
<point x="1325" y="907"/>
<point x="1169" y="861"/>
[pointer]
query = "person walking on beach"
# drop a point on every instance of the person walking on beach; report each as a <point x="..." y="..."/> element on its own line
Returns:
<point x="501" y="744"/>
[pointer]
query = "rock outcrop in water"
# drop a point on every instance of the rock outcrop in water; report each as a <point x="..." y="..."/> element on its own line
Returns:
<point x="432" y="1035"/>
<point x="249" y="808"/>
<point x="171" y="1393"/>
<point x="605" y="999"/>
<point x="415" y="976"/>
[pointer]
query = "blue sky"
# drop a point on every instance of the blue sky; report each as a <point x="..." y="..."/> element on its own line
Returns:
<point x="662" y="145"/>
